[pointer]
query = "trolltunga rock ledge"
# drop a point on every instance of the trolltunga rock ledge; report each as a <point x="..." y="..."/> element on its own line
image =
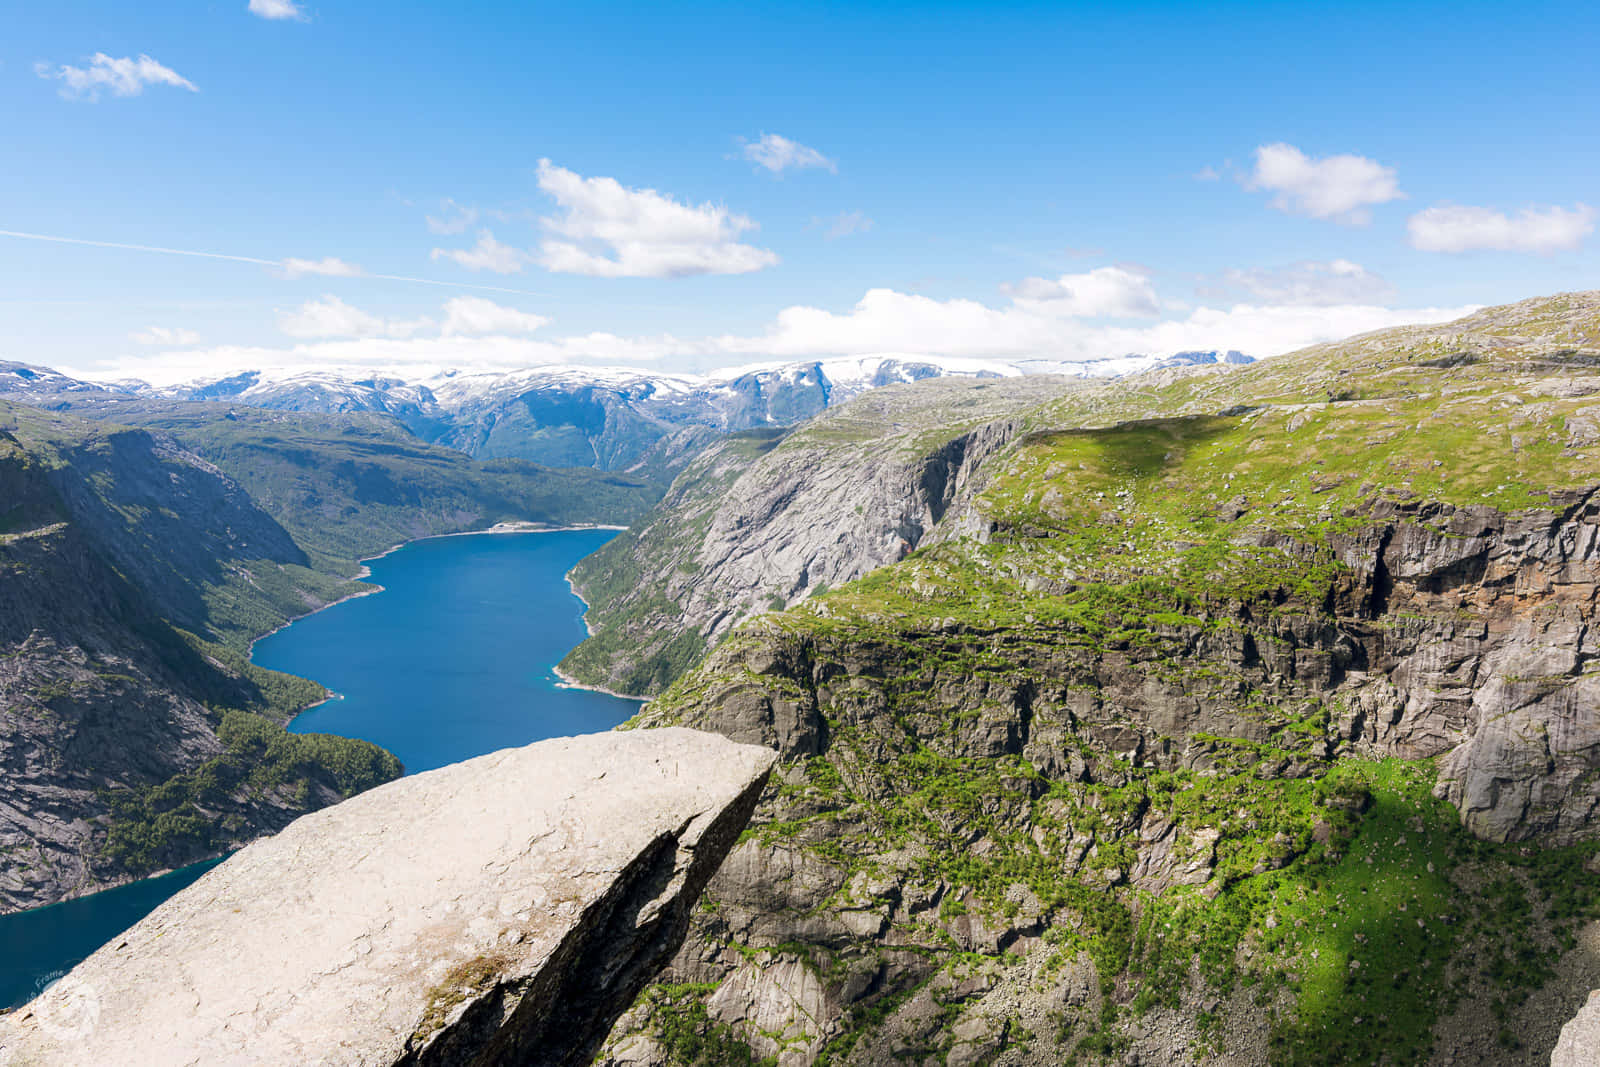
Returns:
<point x="501" y="910"/>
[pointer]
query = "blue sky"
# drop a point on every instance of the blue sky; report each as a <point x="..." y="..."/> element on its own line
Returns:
<point x="977" y="180"/>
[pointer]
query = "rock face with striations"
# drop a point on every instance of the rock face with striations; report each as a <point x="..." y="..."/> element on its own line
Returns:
<point x="501" y="910"/>
<point x="761" y="521"/>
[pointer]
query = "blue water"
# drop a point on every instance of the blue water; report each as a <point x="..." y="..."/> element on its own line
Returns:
<point x="43" y="944"/>
<point x="453" y="659"/>
<point x="456" y="657"/>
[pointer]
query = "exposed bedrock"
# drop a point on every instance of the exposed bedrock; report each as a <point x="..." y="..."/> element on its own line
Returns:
<point x="502" y="910"/>
<point x="1458" y="633"/>
<point x="1487" y="653"/>
<point x="1466" y="634"/>
<point x="751" y="527"/>
<point x="1579" y="1045"/>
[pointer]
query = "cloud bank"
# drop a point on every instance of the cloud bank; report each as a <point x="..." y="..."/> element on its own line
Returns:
<point x="332" y="317"/>
<point x="1115" y="292"/>
<point x="473" y="315"/>
<point x="464" y="316"/>
<point x="1102" y="313"/>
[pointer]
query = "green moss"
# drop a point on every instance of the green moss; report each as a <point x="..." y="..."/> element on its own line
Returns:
<point x="467" y="979"/>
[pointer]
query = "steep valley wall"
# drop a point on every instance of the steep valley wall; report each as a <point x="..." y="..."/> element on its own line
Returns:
<point x="1207" y="729"/>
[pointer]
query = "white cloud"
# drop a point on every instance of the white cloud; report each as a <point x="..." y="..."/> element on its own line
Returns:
<point x="1459" y="228"/>
<point x="1105" y="291"/>
<point x="1310" y="283"/>
<point x="889" y="323"/>
<point x="475" y="315"/>
<point x="332" y="317"/>
<point x="607" y="230"/>
<point x="453" y="219"/>
<point x="165" y="335"/>
<point x="1207" y="174"/>
<point x="277" y="9"/>
<point x="1066" y="326"/>
<point x="410" y="358"/>
<point x="779" y="154"/>
<point x="327" y="267"/>
<point x="843" y="224"/>
<point x="1338" y="188"/>
<point x="121" y="77"/>
<point x="487" y="254"/>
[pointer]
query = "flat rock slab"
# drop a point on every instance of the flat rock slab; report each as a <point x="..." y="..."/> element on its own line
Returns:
<point x="501" y="910"/>
<point x="1579" y="1045"/>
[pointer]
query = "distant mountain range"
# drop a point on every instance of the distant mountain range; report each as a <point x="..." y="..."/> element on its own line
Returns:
<point x="575" y="416"/>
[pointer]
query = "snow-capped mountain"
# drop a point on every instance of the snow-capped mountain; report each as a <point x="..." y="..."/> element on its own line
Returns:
<point x="571" y="415"/>
<point x="25" y="382"/>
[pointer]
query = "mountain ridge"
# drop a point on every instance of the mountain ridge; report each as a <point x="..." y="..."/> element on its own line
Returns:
<point x="130" y="745"/>
<point x="612" y="418"/>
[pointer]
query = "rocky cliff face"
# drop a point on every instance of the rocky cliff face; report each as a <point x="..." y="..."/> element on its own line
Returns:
<point x="760" y="521"/>
<point x="426" y="922"/>
<point x="169" y="521"/>
<point x="1251" y="717"/>
<point x="1504" y="690"/>
<point x="118" y="755"/>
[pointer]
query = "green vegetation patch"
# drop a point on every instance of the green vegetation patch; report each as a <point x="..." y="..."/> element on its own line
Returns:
<point x="689" y="1036"/>
<point x="200" y="812"/>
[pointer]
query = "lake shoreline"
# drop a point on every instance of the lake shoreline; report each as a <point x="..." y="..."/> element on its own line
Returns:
<point x="365" y="572"/>
<point x="503" y="528"/>
<point x="567" y="680"/>
<point x="345" y="706"/>
<point x="573" y="586"/>
<point x="121" y="881"/>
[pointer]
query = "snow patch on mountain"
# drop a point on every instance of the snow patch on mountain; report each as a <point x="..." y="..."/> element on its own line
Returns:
<point x="578" y="415"/>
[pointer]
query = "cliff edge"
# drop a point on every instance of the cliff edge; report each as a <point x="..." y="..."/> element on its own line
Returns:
<point x="502" y="910"/>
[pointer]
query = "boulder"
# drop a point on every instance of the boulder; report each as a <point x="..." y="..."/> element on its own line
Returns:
<point x="502" y="910"/>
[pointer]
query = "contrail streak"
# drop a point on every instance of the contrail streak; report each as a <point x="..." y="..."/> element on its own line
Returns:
<point x="138" y="248"/>
<point x="281" y="264"/>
